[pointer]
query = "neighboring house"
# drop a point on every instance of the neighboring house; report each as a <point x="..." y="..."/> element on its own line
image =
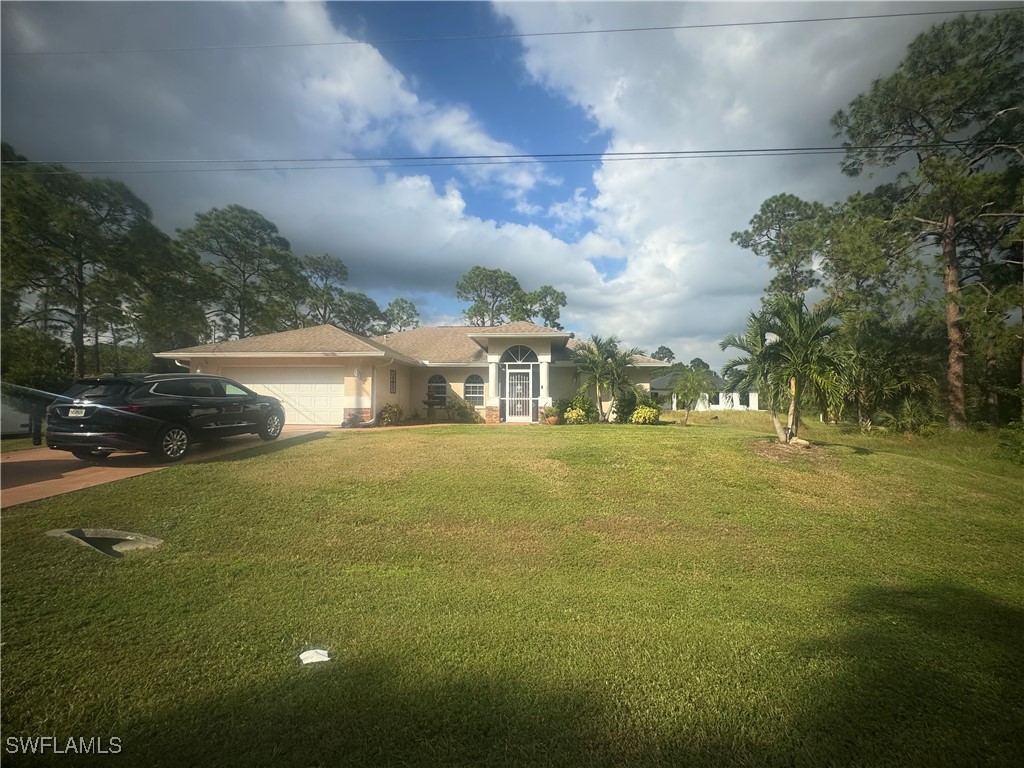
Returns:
<point x="720" y="399"/>
<point x="325" y="375"/>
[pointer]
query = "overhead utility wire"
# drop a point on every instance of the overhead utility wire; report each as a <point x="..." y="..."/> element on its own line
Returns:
<point x="503" y="36"/>
<point x="661" y="154"/>
<point x="434" y="164"/>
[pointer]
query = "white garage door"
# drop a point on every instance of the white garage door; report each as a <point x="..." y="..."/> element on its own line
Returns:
<point x="309" y="395"/>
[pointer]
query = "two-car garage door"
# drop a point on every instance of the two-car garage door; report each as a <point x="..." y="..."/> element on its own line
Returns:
<point x="309" y="395"/>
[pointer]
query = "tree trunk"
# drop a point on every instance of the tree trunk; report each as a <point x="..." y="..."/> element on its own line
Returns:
<point x="96" y="348"/>
<point x="78" y="328"/>
<point x="991" y="393"/>
<point x="954" y="327"/>
<point x="686" y="417"/>
<point x="779" y="431"/>
<point x="794" y="411"/>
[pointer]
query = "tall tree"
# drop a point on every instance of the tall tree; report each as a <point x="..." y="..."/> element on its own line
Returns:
<point x="325" y="276"/>
<point x="256" y="272"/>
<point x="785" y="231"/>
<point x="954" y="107"/>
<point x="169" y="307"/>
<point x="358" y="313"/>
<point x="990" y="282"/>
<point x="601" y="364"/>
<point x="664" y="353"/>
<point x="492" y="292"/>
<point x="545" y="303"/>
<point x="72" y="248"/>
<point x="699" y="365"/>
<point x="401" y="315"/>
<point x="497" y="297"/>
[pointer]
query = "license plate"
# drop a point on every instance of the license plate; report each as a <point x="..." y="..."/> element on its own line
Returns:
<point x="76" y="412"/>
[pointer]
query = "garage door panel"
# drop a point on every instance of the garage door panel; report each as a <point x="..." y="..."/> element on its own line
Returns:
<point x="309" y="395"/>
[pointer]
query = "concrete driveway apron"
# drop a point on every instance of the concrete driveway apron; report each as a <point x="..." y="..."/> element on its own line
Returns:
<point x="38" y="473"/>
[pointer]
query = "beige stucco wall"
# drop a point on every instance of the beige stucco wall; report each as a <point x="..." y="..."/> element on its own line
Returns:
<point x="454" y="376"/>
<point x="561" y="381"/>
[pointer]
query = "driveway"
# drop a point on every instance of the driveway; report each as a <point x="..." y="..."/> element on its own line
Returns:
<point x="37" y="473"/>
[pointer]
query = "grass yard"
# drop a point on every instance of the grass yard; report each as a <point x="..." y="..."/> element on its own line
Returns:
<point x="537" y="596"/>
<point x="9" y="444"/>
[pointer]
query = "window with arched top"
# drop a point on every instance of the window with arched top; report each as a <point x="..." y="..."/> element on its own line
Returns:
<point x="437" y="387"/>
<point x="474" y="392"/>
<point x="519" y="354"/>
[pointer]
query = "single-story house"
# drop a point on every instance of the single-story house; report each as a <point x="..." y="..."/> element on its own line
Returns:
<point x="719" y="398"/>
<point x="325" y="375"/>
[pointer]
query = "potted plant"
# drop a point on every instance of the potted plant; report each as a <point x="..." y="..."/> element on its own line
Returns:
<point x="550" y="414"/>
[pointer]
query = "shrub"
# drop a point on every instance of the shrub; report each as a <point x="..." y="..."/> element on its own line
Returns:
<point x="551" y="410"/>
<point x="1011" y="442"/>
<point x="581" y="401"/>
<point x="561" y="406"/>
<point x="645" y="414"/>
<point x="624" y="406"/>
<point x="627" y="402"/>
<point x="461" y="411"/>
<point x="389" y="415"/>
<point x="910" y="416"/>
<point x="575" y="416"/>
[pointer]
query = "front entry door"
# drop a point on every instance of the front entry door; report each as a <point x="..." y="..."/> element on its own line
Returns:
<point x="519" y="400"/>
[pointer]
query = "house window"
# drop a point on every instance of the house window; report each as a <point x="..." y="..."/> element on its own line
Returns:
<point x="437" y="388"/>
<point x="474" y="390"/>
<point x="393" y="381"/>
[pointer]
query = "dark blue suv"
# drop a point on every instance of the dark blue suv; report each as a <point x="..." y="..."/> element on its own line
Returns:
<point x="160" y="413"/>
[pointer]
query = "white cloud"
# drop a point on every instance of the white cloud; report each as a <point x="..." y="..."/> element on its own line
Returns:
<point x="684" y="284"/>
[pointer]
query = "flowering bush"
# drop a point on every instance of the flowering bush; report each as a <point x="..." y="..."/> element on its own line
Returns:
<point x="576" y="416"/>
<point x="389" y="415"/>
<point x="645" y="414"/>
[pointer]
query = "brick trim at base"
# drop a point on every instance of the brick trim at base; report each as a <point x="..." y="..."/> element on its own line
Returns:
<point x="362" y="414"/>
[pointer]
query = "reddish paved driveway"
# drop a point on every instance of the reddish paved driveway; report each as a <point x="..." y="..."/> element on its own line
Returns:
<point x="37" y="473"/>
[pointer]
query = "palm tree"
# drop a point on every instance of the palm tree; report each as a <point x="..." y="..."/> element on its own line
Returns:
<point x="802" y="352"/>
<point x="689" y="385"/>
<point x="753" y="371"/>
<point x="602" y="365"/>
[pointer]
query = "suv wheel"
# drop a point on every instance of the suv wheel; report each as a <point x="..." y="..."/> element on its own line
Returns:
<point x="172" y="443"/>
<point x="272" y="425"/>
<point x="90" y="455"/>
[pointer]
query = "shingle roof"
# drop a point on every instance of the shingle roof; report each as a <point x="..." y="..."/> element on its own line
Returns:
<point x="318" y="339"/>
<point x="519" y="328"/>
<point x="456" y="343"/>
<point x="438" y="344"/>
<point x="643" y="360"/>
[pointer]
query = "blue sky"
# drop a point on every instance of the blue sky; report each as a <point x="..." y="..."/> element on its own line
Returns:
<point x="641" y="249"/>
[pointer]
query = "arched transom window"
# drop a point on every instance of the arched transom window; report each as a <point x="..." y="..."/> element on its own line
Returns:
<point x="519" y="354"/>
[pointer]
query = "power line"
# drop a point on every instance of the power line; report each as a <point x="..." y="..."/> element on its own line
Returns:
<point x="507" y="159"/>
<point x="441" y="164"/>
<point x="501" y="36"/>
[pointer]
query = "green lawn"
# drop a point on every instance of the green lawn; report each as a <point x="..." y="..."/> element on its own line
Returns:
<point x="563" y="596"/>
<point x="9" y="444"/>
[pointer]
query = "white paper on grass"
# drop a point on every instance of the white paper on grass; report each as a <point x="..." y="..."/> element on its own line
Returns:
<point x="315" y="655"/>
